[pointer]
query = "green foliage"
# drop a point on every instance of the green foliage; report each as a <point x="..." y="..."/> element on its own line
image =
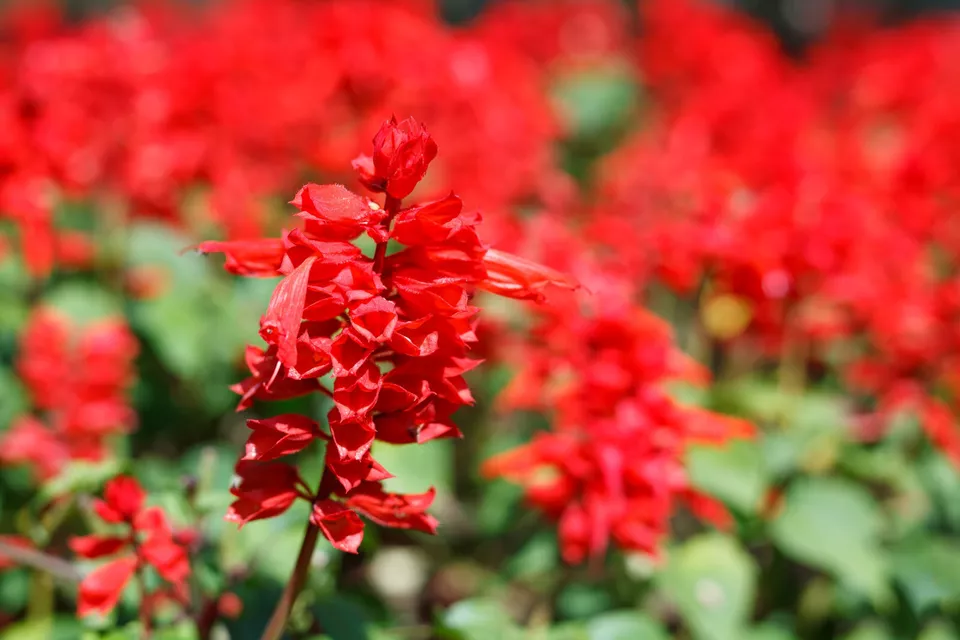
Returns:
<point x="712" y="582"/>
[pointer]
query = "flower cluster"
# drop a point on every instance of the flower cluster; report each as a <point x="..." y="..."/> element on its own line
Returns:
<point x="143" y="538"/>
<point x="137" y="109"/>
<point x="77" y="379"/>
<point x="612" y="465"/>
<point x="768" y="187"/>
<point x="391" y="331"/>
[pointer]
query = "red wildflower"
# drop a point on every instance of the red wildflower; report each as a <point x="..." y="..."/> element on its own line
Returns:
<point x="78" y="378"/>
<point x="147" y="539"/>
<point x="342" y="313"/>
<point x="401" y="153"/>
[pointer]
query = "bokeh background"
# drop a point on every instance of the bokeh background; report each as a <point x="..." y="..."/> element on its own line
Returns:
<point x="775" y="180"/>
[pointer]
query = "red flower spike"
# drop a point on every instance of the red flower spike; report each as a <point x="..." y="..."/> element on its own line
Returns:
<point x="279" y="436"/>
<point x="95" y="546"/>
<point x="340" y="525"/>
<point x="401" y="153"/>
<point x="101" y="589"/>
<point x="280" y="326"/>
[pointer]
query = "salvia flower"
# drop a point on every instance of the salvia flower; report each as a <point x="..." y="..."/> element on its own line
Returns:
<point x="78" y="378"/>
<point x="142" y="537"/>
<point x="393" y="333"/>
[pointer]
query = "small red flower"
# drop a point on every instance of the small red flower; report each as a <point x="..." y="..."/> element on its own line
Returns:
<point x="401" y="153"/>
<point x="279" y="436"/>
<point x="339" y="524"/>
<point x="264" y="490"/>
<point x="148" y="539"/>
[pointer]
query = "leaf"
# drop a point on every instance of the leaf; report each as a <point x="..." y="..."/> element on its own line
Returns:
<point x="929" y="570"/>
<point x="537" y="557"/>
<point x="769" y="631"/>
<point x="624" y="625"/>
<point x="79" y="477"/>
<point x="733" y="473"/>
<point x="937" y="630"/>
<point x="596" y="104"/>
<point x="869" y="631"/>
<point x="342" y="618"/>
<point x="480" y="619"/>
<point x="579" y="601"/>
<point x="712" y="581"/>
<point x="834" y="525"/>
<point x="13" y="398"/>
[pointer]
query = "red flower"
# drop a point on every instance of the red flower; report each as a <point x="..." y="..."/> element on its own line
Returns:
<point x="341" y="526"/>
<point x="352" y="316"/>
<point x="401" y="153"/>
<point x="264" y="491"/>
<point x="148" y="539"/>
<point x="279" y="436"/>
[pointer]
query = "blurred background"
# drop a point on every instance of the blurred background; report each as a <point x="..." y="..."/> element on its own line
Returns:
<point x="758" y="197"/>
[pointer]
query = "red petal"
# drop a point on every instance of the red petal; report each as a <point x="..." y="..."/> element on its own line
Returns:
<point x="94" y="546"/>
<point x="340" y="525"/>
<point x="334" y="203"/>
<point x="515" y="277"/>
<point x="101" y="589"/>
<point x="280" y="326"/>
<point x="280" y="436"/>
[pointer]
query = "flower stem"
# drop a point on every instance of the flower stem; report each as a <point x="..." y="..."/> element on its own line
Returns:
<point x="278" y="621"/>
<point x="392" y="206"/>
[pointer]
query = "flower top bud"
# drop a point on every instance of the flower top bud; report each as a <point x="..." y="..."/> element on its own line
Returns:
<point x="401" y="153"/>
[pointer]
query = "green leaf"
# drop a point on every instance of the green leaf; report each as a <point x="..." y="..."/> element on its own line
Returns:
<point x="597" y="104"/>
<point x="342" y="618"/>
<point x="624" y="625"/>
<point x="869" y="631"/>
<point x="733" y="473"/>
<point x="480" y="619"/>
<point x="13" y="399"/>
<point x="58" y="628"/>
<point x="769" y="631"/>
<point x="938" y="630"/>
<point x="537" y="557"/>
<point x="929" y="570"/>
<point x="834" y="525"/>
<point x="79" y="477"/>
<point x="712" y="581"/>
<point x="579" y="601"/>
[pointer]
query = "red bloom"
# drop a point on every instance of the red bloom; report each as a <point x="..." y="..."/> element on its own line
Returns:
<point x="340" y="525"/>
<point x="149" y="539"/>
<point x="401" y="153"/>
<point x="353" y="316"/>
<point x="279" y="436"/>
<point x="263" y="491"/>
